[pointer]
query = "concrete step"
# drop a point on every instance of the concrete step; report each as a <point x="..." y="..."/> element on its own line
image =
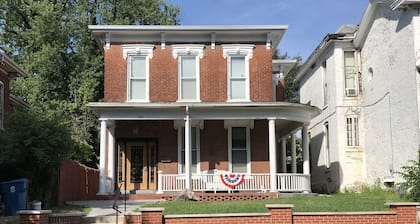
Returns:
<point x="102" y="219"/>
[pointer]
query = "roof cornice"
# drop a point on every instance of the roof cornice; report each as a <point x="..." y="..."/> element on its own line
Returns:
<point x="13" y="67"/>
<point x="269" y="34"/>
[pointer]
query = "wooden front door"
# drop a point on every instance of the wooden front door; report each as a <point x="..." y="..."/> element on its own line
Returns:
<point x="138" y="166"/>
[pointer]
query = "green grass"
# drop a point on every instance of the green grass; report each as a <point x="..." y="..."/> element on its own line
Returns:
<point x="368" y="200"/>
<point x="71" y="208"/>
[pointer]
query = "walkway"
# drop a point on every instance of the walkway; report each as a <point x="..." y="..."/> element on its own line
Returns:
<point x="104" y="207"/>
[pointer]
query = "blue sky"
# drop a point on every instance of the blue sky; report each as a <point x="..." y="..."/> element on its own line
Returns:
<point x="308" y="20"/>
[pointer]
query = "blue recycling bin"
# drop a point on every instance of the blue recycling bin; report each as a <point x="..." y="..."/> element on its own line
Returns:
<point x="15" y="195"/>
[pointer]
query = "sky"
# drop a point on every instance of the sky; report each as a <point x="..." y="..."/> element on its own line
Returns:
<point x="308" y="20"/>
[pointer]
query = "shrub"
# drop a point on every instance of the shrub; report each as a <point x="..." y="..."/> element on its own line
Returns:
<point x="411" y="175"/>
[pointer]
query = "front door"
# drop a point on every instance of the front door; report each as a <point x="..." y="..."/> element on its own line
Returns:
<point x="138" y="166"/>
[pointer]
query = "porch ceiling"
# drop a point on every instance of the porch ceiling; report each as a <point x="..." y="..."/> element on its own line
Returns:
<point x="206" y="111"/>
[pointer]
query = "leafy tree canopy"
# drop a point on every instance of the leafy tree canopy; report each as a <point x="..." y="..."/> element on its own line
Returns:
<point x="50" y="39"/>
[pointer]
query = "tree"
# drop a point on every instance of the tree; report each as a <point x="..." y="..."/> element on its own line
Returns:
<point x="291" y="88"/>
<point x="33" y="147"/>
<point x="411" y="175"/>
<point x="50" y="39"/>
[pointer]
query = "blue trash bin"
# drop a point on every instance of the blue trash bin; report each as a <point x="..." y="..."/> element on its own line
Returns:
<point x="15" y="195"/>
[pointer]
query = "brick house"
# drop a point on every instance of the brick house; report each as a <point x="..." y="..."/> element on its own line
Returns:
<point x="8" y="70"/>
<point x="185" y="105"/>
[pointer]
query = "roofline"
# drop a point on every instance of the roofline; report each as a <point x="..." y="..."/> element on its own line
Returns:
<point x="14" y="65"/>
<point x="17" y="101"/>
<point x="366" y="23"/>
<point x="277" y="31"/>
<point x="288" y="63"/>
<point x="322" y="47"/>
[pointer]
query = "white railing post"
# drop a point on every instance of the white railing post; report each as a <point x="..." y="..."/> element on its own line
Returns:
<point x="160" y="182"/>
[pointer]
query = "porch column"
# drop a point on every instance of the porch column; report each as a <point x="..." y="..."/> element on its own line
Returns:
<point x="102" y="158"/>
<point x="305" y="150"/>
<point x="283" y="155"/>
<point x="293" y="149"/>
<point x="111" y="157"/>
<point x="272" y="154"/>
<point x="188" y="157"/>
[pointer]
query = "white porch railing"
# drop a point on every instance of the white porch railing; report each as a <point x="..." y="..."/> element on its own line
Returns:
<point x="252" y="182"/>
<point x="293" y="182"/>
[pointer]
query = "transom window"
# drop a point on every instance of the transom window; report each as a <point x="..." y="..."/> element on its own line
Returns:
<point x="188" y="77"/>
<point x="239" y="153"/>
<point x="1" y="104"/>
<point x="352" y="123"/>
<point x="195" y="149"/>
<point x="350" y="70"/>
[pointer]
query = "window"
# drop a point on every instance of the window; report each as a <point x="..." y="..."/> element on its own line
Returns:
<point x="239" y="153"/>
<point x="326" y="144"/>
<point x="1" y="104"/>
<point x="238" y="56"/>
<point x="188" y="78"/>
<point x="350" y="70"/>
<point x="352" y="123"/>
<point x="325" y="82"/>
<point x="138" y="56"/>
<point x="237" y="78"/>
<point x="195" y="149"/>
<point x="137" y="78"/>
<point x="189" y="56"/>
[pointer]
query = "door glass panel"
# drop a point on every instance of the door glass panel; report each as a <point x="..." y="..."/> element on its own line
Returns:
<point x="136" y="172"/>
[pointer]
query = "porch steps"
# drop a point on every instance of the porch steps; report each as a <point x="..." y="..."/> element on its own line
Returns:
<point x="103" y="219"/>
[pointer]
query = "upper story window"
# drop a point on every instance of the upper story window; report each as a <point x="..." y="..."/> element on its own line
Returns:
<point x="188" y="70"/>
<point x="325" y="82"/>
<point x="238" y="56"/>
<point x="1" y="104"/>
<point x="138" y="57"/>
<point x="352" y="126"/>
<point x="350" y="73"/>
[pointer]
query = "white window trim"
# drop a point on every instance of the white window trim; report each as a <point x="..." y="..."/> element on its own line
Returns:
<point x="196" y="50"/>
<point x="231" y="50"/>
<point x="355" y="135"/>
<point x="246" y="124"/>
<point x="2" y="106"/>
<point x="180" y="125"/>
<point x="327" y="145"/>
<point x="142" y="50"/>
<point x="356" y="75"/>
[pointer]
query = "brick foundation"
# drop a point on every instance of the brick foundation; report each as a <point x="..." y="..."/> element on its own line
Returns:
<point x="34" y="217"/>
<point x="282" y="214"/>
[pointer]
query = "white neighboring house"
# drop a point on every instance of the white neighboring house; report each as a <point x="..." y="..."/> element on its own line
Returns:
<point x="366" y="80"/>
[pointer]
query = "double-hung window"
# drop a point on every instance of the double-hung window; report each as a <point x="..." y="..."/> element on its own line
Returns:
<point x="1" y="104"/>
<point x="350" y="74"/>
<point x="188" y="77"/>
<point x="195" y="149"/>
<point x="138" y="78"/>
<point x="188" y="56"/>
<point x="239" y="149"/>
<point x="238" y="78"/>
<point x="238" y="56"/>
<point x="138" y="56"/>
<point x="352" y="126"/>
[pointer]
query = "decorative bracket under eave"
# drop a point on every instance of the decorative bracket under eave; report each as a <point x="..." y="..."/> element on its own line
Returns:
<point x="213" y="41"/>
<point x="268" y="41"/>
<point x="163" y="40"/>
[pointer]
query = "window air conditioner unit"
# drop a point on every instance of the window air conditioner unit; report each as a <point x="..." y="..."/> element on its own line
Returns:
<point x="351" y="92"/>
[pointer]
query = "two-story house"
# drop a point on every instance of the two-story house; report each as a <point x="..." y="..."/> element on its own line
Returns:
<point x="8" y="70"/>
<point x="366" y="81"/>
<point x="195" y="107"/>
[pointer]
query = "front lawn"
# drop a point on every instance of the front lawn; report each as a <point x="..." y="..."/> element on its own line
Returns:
<point x="368" y="200"/>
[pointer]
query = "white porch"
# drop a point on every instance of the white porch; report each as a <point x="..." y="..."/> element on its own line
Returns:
<point x="283" y="121"/>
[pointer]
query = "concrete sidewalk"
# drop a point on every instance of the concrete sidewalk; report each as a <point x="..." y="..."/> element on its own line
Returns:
<point x="104" y="207"/>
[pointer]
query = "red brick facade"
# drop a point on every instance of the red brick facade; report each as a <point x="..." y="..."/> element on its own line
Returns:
<point x="5" y="80"/>
<point x="163" y="75"/>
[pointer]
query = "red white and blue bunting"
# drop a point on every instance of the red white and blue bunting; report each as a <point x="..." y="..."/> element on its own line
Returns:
<point x="232" y="180"/>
